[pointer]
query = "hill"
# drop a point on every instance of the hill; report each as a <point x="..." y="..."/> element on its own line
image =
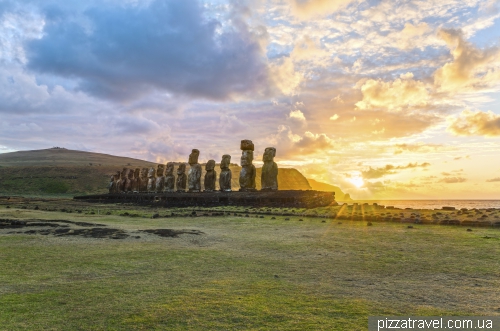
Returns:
<point x="319" y="186"/>
<point x="62" y="171"/>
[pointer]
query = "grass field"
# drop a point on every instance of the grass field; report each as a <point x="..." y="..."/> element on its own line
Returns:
<point x="241" y="273"/>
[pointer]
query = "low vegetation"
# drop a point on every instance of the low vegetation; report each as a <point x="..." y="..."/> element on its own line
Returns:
<point x="236" y="268"/>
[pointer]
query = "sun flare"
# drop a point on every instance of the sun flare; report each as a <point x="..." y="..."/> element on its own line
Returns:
<point x="357" y="181"/>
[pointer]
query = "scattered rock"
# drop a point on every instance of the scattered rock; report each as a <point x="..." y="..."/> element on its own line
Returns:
<point x="410" y="227"/>
<point x="469" y="230"/>
<point x="155" y="215"/>
<point x="369" y="223"/>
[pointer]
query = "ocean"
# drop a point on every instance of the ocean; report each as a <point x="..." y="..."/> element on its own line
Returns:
<point x="433" y="204"/>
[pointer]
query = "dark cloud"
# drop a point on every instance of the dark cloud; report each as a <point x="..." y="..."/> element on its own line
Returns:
<point x="452" y="180"/>
<point x="496" y="179"/>
<point x="122" y="52"/>
<point x="390" y="169"/>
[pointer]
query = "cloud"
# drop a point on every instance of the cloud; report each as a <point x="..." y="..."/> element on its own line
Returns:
<point x="394" y="95"/>
<point x="334" y="117"/>
<point x="284" y="76"/>
<point x="452" y="180"/>
<point x="123" y="52"/>
<point x="306" y="9"/>
<point x="390" y="169"/>
<point x="475" y="123"/>
<point x="416" y="148"/>
<point x="290" y="144"/>
<point x="496" y="179"/>
<point x="471" y="67"/>
<point x="297" y="115"/>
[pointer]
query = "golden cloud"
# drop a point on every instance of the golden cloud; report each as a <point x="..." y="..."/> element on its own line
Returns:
<point x="496" y="179"/>
<point x="475" y="123"/>
<point x="452" y="180"/>
<point x="470" y="66"/>
<point x="306" y="9"/>
<point x="285" y="77"/>
<point x="416" y="148"/>
<point x="394" y="95"/>
<point x="390" y="169"/>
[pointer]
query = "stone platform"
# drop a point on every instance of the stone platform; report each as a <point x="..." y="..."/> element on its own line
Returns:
<point x="295" y="198"/>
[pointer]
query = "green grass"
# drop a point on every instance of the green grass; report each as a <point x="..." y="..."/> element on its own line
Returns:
<point x="244" y="273"/>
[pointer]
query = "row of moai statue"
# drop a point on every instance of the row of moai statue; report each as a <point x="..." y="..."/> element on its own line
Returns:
<point x="162" y="179"/>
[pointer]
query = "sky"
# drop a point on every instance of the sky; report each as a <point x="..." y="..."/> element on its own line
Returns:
<point x="385" y="99"/>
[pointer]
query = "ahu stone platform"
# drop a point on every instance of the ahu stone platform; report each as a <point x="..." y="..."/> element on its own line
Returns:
<point x="295" y="198"/>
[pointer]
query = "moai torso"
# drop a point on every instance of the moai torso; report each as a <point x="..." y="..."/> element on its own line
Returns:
<point x="225" y="174"/>
<point x="210" y="176"/>
<point x="143" y="180"/>
<point x="160" y="180"/>
<point x="129" y="181"/>
<point x="151" y="180"/>
<point x="123" y="180"/>
<point x="169" y="178"/>
<point x="114" y="183"/>
<point x="137" y="181"/>
<point x="269" y="178"/>
<point x="181" y="178"/>
<point x="194" y="174"/>
<point x="247" y="174"/>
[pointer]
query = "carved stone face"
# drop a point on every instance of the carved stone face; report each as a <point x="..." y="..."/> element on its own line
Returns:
<point x="193" y="157"/>
<point x="246" y="158"/>
<point x="137" y="172"/>
<point x="116" y="175"/>
<point x="144" y="173"/>
<point x="181" y="169"/>
<point x="130" y="174"/>
<point x="269" y="154"/>
<point x="226" y="159"/>
<point x="152" y="172"/>
<point x="210" y="165"/>
<point x="159" y="171"/>
<point x="170" y="169"/>
<point x="123" y="174"/>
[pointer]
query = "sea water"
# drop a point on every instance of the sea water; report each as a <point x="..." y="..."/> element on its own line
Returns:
<point x="433" y="204"/>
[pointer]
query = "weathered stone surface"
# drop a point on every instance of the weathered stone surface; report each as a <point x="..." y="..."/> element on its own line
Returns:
<point x="225" y="175"/>
<point x="194" y="174"/>
<point x="114" y="183"/>
<point x="129" y="181"/>
<point x="123" y="180"/>
<point x="151" y="179"/>
<point x="210" y="176"/>
<point x="137" y="180"/>
<point x="143" y="184"/>
<point x="269" y="177"/>
<point x="181" y="178"/>
<point x="247" y="173"/>
<point x="160" y="179"/>
<point x="246" y="145"/>
<point x="169" y="177"/>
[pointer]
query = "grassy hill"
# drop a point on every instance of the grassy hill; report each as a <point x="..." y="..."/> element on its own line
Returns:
<point x="319" y="186"/>
<point x="59" y="171"/>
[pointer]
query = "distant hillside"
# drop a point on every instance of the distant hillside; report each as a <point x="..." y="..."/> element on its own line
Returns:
<point x="62" y="171"/>
<point x="319" y="186"/>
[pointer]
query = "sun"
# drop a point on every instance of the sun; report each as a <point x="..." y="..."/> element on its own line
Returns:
<point x="357" y="181"/>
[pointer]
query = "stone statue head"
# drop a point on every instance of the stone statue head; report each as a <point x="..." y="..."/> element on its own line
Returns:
<point x="159" y="171"/>
<point x="210" y="165"/>
<point x="226" y="159"/>
<point x="137" y="172"/>
<point x="116" y="176"/>
<point x="170" y="169"/>
<point x="130" y="174"/>
<point x="193" y="157"/>
<point x="269" y="154"/>
<point x="123" y="174"/>
<point x="246" y="158"/>
<point x="144" y="173"/>
<point x="152" y="172"/>
<point x="181" y="169"/>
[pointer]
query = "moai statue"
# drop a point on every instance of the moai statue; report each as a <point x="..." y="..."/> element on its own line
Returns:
<point x="160" y="180"/>
<point x="181" y="178"/>
<point x="210" y="176"/>
<point x="269" y="178"/>
<point x="225" y="174"/>
<point x="247" y="174"/>
<point x="137" y="180"/>
<point x="123" y="180"/>
<point x="194" y="174"/>
<point x="130" y="180"/>
<point x="114" y="183"/>
<point x="143" y="180"/>
<point x="151" y="179"/>
<point x="169" y="177"/>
